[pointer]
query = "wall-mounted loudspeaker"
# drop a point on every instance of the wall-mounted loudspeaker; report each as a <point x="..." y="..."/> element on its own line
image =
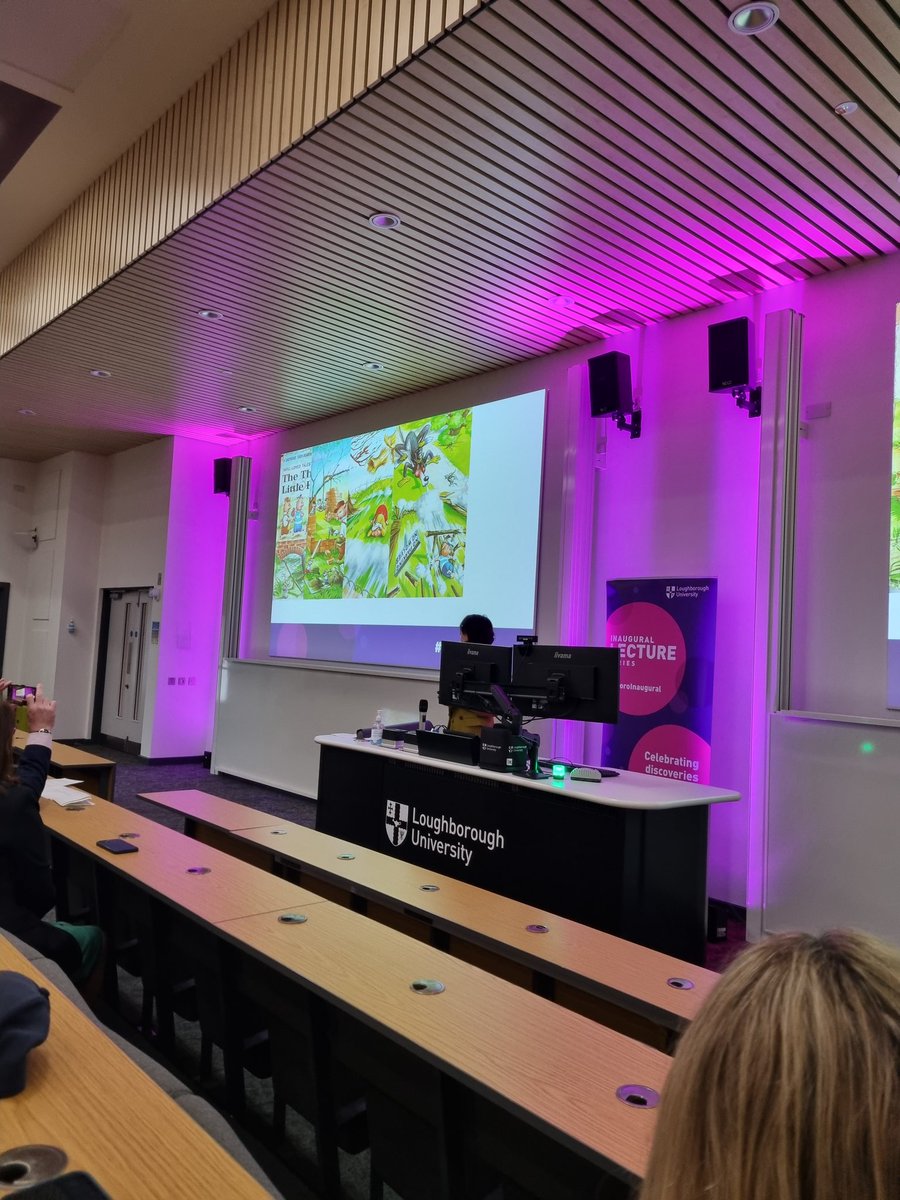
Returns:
<point x="222" y="475"/>
<point x="730" y="354"/>
<point x="609" y="383"/>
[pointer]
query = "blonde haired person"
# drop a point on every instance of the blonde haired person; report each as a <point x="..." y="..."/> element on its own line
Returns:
<point x="787" y="1085"/>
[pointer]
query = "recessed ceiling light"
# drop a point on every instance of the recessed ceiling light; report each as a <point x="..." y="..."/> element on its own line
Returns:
<point x="246" y="408"/>
<point x="98" y="373"/>
<point x="564" y="302"/>
<point x="846" y="109"/>
<point x="375" y="367"/>
<point x="384" y="220"/>
<point x="209" y="314"/>
<point x="753" y="18"/>
<point x="27" y="412"/>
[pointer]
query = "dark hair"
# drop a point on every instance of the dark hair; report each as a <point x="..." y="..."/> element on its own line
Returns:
<point x="477" y="628"/>
<point x="7" y="729"/>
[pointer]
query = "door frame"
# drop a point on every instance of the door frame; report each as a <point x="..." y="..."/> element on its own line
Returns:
<point x="106" y="595"/>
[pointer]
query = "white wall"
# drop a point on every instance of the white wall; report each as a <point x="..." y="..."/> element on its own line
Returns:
<point x="77" y="560"/>
<point x="140" y="518"/>
<point x="833" y="835"/>
<point x="191" y="606"/>
<point x="133" y="540"/>
<point x="17" y="481"/>
<point x="135" y="515"/>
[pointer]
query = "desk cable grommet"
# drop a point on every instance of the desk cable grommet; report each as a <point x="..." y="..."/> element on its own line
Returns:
<point x="637" y="1095"/>
<point x="426" y="987"/>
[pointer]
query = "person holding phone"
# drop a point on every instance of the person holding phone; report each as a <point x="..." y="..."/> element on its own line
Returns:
<point x="26" y="882"/>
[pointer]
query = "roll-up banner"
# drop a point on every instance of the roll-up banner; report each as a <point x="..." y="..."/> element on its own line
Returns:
<point x="665" y="630"/>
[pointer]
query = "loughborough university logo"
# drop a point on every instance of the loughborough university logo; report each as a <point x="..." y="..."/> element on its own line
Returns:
<point x="396" y="822"/>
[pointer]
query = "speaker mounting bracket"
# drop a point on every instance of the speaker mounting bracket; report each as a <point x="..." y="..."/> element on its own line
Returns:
<point x="750" y="399"/>
<point x="631" y="423"/>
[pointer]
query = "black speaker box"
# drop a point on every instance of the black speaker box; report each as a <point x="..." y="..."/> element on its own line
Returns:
<point x="222" y="475"/>
<point x="609" y="382"/>
<point x="729" y="354"/>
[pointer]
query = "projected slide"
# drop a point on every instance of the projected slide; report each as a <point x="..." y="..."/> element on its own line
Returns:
<point x="410" y="526"/>
<point x="379" y="516"/>
<point x="894" y="578"/>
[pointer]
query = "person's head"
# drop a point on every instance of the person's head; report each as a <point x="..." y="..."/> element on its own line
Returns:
<point x="7" y="729"/>
<point x="787" y="1085"/>
<point x="476" y="628"/>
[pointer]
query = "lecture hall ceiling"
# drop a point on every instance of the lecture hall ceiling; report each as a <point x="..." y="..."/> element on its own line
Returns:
<point x="563" y="169"/>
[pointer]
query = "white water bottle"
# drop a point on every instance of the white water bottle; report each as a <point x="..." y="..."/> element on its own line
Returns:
<point x="377" y="729"/>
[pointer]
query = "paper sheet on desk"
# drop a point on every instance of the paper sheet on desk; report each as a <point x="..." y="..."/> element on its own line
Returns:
<point x="61" y="791"/>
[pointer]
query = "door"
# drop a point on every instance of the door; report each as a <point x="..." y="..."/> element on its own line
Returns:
<point x="126" y="643"/>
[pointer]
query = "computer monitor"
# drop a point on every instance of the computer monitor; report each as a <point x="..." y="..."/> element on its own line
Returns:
<point x="574" y="683"/>
<point x="467" y="671"/>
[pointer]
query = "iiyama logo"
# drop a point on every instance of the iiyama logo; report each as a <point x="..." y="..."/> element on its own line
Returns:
<point x="472" y="653"/>
<point x="557" y="654"/>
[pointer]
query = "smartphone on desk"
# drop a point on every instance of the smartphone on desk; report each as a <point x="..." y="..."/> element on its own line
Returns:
<point x="117" y="846"/>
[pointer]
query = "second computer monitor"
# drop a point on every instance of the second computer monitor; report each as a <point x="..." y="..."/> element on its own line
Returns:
<point x="576" y="683"/>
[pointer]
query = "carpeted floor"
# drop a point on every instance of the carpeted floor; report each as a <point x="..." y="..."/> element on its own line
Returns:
<point x="134" y="776"/>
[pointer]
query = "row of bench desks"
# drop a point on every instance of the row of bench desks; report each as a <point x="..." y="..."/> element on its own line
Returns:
<point x="639" y="991"/>
<point x="96" y="775"/>
<point x="549" y="1067"/>
<point x="86" y="1097"/>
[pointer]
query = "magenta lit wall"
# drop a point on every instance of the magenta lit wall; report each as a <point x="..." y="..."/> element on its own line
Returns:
<point x="191" y="609"/>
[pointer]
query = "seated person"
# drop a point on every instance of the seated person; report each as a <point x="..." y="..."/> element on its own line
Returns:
<point x="473" y="628"/>
<point x="26" y="883"/>
<point x="787" y="1085"/>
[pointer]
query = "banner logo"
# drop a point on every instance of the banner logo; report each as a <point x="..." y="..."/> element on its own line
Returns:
<point x="670" y="591"/>
<point x="396" y="822"/>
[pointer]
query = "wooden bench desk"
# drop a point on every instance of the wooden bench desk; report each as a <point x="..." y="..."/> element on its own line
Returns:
<point x="581" y="968"/>
<point x="555" y="1070"/>
<point x="205" y="811"/>
<point x="528" y="1057"/>
<point x="97" y="775"/>
<point x="84" y="1095"/>
<point x="212" y="819"/>
<point x="164" y="862"/>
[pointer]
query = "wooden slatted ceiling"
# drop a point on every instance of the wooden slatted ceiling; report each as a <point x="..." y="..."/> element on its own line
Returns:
<point x="636" y="158"/>
<point x="299" y="64"/>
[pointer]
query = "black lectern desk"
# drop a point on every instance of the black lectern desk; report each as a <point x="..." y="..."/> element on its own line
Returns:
<point x="626" y="855"/>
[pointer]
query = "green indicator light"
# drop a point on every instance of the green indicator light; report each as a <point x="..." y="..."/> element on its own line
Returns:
<point x="866" y="747"/>
<point x="559" y="770"/>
